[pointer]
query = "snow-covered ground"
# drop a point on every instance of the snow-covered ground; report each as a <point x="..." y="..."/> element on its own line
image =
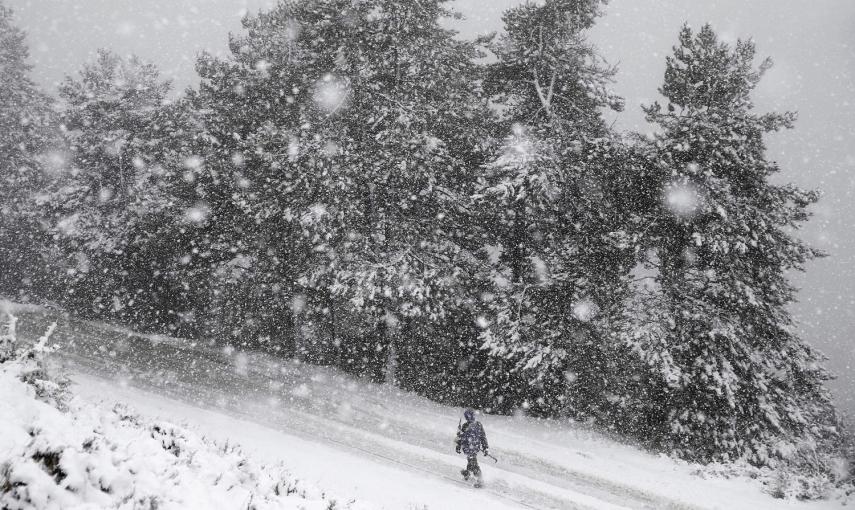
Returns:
<point x="372" y="443"/>
<point x="61" y="452"/>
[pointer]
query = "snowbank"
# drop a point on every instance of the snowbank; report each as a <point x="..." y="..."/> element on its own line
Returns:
<point x="57" y="451"/>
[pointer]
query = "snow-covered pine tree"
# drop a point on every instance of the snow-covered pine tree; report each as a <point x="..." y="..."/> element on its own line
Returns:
<point x="106" y="111"/>
<point x="27" y="143"/>
<point x="729" y="376"/>
<point x="111" y="205"/>
<point x="557" y="256"/>
<point x="410" y="170"/>
<point x="265" y="169"/>
<point x="344" y="122"/>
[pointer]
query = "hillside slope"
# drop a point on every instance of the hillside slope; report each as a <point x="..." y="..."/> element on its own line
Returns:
<point x="382" y="446"/>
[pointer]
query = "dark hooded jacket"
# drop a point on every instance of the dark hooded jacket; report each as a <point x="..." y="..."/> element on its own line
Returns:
<point x="471" y="437"/>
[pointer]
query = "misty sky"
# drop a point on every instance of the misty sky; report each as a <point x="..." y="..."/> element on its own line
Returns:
<point x="812" y="43"/>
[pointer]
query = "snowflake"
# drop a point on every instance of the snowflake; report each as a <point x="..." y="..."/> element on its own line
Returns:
<point x="331" y="93"/>
<point x="585" y="310"/>
<point x="682" y="199"/>
<point x="293" y="148"/>
<point x="197" y="214"/>
<point x="301" y="391"/>
<point x="298" y="303"/>
<point x="193" y="162"/>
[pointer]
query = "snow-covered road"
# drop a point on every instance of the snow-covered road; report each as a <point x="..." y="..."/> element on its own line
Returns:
<point x="374" y="442"/>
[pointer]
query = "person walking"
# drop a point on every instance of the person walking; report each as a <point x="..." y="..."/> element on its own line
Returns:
<point x="471" y="439"/>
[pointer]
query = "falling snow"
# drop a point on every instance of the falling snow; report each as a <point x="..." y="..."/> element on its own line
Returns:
<point x="335" y="224"/>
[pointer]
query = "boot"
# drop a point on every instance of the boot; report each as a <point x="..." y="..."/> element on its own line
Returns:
<point x="465" y="474"/>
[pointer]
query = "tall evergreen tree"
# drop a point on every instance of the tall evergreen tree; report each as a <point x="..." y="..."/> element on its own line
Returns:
<point x="27" y="153"/>
<point x="112" y="207"/>
<point x="731" y="377"/>
<point x="349" y="125"/>
<point x="411" y="170"/>
<point x="557" y="254"/>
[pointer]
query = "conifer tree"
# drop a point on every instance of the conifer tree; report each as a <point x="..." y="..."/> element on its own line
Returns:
<point x="558" y="257"/>
<point x="350" y="124"/>
<point x="729" y="376"/>
<point x="111" y="204"/>
<point x="27" y="153"/>
<point x="412" y="170"/>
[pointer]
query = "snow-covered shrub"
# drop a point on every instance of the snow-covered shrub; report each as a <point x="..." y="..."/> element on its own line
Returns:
<point x="64" y="453"/>
<point x="7" y="339"/>
<point x="846" y="465"/>
<point x="792" y="484"/>
<point x="803" y="472"/>
<point x="27" y="362"/>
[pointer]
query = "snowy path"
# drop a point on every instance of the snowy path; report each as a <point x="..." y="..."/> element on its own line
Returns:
<point x="375" y="442"/>
<point x="364" y="428"/>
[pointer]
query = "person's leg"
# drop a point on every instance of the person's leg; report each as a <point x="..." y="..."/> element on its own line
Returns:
<point x="472" y="465"/>
<point x="465" y="472"/>
<point x="475" y="469"/>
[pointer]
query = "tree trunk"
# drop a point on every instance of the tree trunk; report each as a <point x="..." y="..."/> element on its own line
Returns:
<point x="518" y="239"/>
